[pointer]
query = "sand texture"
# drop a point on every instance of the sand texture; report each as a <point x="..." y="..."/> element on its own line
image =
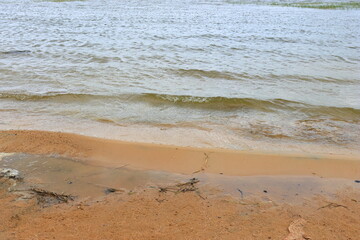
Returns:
<point x="31" y="208"/>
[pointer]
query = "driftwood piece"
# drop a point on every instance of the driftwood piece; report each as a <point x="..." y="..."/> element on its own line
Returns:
<point x="181" y="187"/>
<point x="333" y="205"/>
<point x="47" y="198"/>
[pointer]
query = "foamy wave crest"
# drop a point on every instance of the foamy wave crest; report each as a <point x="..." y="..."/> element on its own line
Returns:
<point x="216" y="103"/>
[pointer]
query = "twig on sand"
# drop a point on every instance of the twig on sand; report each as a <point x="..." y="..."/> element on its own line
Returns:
<point x="109" y="189"/>
<point x="241" y="192"/>
<point x="181" y="187"/>
<point x="47" y="198"/>
<point x="204" y="165"/>
<point x="332" y="205"/>
<point x="198" y="193"/>
<point x="106" y="188"/>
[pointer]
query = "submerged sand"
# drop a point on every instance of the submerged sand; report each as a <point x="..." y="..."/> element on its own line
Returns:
<point x="262" y="208"/>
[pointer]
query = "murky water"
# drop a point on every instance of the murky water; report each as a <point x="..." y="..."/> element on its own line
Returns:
<point x="232" y="74"/>
<point x="60" y="174"/>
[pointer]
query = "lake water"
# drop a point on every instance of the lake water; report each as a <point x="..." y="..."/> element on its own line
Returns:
<point x="232" y="74"/>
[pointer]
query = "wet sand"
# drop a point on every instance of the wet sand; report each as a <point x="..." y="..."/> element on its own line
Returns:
<point x="186" y="160"/>
<point x="297" y="196"/>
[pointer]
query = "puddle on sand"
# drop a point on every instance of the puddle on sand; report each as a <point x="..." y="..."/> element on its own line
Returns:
<point x="64" y="175"/>
<point x="289" y="189"/>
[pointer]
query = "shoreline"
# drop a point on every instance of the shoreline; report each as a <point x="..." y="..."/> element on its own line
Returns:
<point x="185" y="160"/>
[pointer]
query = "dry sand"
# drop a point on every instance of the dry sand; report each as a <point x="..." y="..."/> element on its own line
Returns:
<point x="154" y="215"/>
<point x="150" y="214"/>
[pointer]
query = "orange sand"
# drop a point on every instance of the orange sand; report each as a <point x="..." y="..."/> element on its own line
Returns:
<point x="177" y="159"/>
<point x="154" y="215"/>
<point x="149" y="214"/>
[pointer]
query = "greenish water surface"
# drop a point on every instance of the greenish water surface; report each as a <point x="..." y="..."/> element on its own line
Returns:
<point x="248" y="75"/>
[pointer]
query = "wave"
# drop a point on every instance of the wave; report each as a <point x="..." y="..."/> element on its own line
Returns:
<point x="217" y="103"/>
<point x="220" y="103"/>
<point x="45" y="96"/>
<point x="268" y="105"/>
<point x="16" y="52"/>
<point x="227" y="75"/>
<point x="214" y="103"/>
<point x="198" y="73"/>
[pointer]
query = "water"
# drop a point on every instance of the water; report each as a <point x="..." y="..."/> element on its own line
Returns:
<point x="78" y="178"/>
<point x="232" y="74"/>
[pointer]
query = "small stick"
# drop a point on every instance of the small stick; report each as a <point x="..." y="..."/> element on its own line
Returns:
<point x="204" y="165"/>
<point x="241" y="192"/>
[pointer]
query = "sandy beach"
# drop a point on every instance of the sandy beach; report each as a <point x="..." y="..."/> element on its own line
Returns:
<point x="179" y="119"/>
<point x="325" y="206"/>
<point x="151" y="215"/>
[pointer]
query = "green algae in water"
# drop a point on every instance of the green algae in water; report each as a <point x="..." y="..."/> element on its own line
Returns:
<point x="321" y="5"/>
<point x="316" y="5"/>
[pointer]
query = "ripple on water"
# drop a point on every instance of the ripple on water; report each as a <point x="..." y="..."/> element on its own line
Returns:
<point x="165" y="63"/>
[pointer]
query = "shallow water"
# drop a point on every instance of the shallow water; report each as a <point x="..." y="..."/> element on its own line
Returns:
<point x="77" y="178"/>
<point x="69" y="176"/>
<point x="232" y="74"/>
